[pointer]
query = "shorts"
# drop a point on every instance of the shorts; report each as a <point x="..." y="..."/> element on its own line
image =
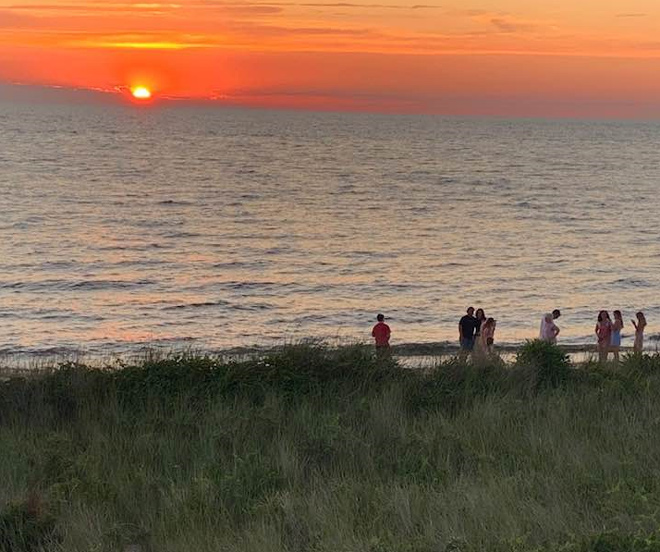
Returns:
<point x="467" y="343"/>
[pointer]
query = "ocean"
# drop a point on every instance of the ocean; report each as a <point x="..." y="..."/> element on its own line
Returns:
<point x="211" y="229"/>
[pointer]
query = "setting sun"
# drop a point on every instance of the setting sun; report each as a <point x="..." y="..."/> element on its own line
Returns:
<point x="141" y="93"/>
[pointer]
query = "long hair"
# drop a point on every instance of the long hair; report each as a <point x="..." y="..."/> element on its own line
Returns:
<point x="483" y="314"/>
<point x="603" y="315"/>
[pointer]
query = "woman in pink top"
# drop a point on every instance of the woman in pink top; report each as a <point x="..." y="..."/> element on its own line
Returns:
<point x="604" y="334"/>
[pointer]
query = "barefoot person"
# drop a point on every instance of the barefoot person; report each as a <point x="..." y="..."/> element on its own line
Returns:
<point x="381" y="333"/>
<point x="604" y="335"/>
<point x="639" y="332"/>
<point x="615" y="337"/>
<point x="549" y="330"/>
<point x="467" y="328"/>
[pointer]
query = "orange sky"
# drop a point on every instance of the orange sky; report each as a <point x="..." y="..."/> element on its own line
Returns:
<point x="506" y="57"/>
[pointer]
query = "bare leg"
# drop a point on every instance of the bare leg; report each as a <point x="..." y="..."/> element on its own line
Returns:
<point x="615" y="350"/>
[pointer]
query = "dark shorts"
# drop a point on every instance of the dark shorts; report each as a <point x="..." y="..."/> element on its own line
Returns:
<point x="467" y="343"/>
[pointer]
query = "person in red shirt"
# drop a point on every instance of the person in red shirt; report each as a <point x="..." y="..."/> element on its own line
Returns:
<point x="381" y="333"/>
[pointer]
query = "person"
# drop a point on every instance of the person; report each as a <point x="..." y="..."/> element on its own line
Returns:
<point x="381" y="333"/>
<point x="615" y="336"/>
<point x="639" y="332"/>
<point x="549" y="330"/>
<point x="480" y="315"/>
<point x="479" y="350"/>
<point x="488" y="335"/>
<point x="604" y="334"/>
<point x="467" y="327"/>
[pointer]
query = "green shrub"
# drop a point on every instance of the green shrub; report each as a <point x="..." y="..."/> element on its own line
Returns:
<point x="541" y="365"/>
<point x="638" y="364"/>
<point x="454" y="384"/>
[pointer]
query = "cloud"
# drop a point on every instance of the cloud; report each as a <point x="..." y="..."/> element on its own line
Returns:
<point x="631" y="15"/>
<point x="10" y="19"/>
<point x="155" y="8"/>
<point x="364" y="6"/>
<point x="502" y="21"/>
<point x="255" y="29"/>
<point x="231" y="4"/>
<point x="472" y="13"/>
<point x="109" y="7"/>
<point x="504" y="25"/>
<point x="511" y="25"/>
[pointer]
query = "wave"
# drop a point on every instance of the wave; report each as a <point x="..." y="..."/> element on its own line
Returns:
<point x="85" y="285"/>
<point x="174" y="202"/>
<point x="226" y="304"/>
<point x="200" y="305"/>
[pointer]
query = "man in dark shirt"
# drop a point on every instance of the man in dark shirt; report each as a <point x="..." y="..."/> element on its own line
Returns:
<point x="467" y="327"/>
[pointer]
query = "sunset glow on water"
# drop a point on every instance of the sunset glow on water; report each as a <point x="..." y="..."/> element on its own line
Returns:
<point x="213" y="228"/>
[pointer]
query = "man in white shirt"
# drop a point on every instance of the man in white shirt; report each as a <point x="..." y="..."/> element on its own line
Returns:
<point x="549" y="330"/>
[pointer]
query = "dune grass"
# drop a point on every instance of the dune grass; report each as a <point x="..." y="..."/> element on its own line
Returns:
<point x="319" y="449"/>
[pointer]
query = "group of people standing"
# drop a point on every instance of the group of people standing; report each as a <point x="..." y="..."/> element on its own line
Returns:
<point x="476" y="332"/>
<point x="608" y="332"/>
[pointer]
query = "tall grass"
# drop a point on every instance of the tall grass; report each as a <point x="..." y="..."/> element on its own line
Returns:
<point x="316" y="449"/>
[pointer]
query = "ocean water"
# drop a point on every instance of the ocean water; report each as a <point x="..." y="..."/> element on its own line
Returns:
<point x="125" y="227"/>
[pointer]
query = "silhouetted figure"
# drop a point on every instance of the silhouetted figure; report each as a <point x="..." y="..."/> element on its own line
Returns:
<point x="381" y="333"/>
<point x="467" y="329"/>
<point x="639" y="332"/>
<point x="604" y="334"/>
<point x="480" y="315"/>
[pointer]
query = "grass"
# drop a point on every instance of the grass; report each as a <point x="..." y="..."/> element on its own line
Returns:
<point x="318" y="449"/>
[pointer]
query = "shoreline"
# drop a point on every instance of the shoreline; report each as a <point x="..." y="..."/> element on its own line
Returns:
<point x="410" y="354"/>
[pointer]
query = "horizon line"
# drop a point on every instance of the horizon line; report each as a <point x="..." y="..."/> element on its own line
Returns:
<point x="120" y="97"/>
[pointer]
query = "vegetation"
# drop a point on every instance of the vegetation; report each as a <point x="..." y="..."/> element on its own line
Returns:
<point x="317" y="449"/>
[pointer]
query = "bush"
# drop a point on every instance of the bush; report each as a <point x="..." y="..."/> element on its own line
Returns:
<point x="454" y="384"/>
<point x="542" y="365"/>
<point x="638" y="364"/>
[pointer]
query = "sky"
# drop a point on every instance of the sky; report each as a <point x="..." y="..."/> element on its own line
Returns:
<point x="564" y="58"/>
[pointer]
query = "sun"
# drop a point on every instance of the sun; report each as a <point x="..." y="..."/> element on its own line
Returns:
<point x="141" y="92"/>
